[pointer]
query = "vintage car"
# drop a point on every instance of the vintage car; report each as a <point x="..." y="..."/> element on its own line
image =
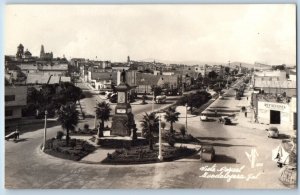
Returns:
<point x="225" y="120"/>
<point x="161" y="99"/>
<point x="273" y="132"/>
<point x="203" y="118"/>
<point x="207" y="153"/>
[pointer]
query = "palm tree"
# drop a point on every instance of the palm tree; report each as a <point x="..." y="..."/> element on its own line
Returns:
<point x="149" y="124"/>
<point x="68" y="117"/>
<point x="103" y="113"/>
<point x="171" y="116"/>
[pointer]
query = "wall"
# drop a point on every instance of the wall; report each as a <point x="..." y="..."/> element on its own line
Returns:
<point x="20" y="100"/>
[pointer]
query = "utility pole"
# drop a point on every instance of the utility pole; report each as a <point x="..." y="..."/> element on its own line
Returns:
<point x="45" y="131"/>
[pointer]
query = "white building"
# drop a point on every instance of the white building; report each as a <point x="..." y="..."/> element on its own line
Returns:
<point x="282" y="114"/>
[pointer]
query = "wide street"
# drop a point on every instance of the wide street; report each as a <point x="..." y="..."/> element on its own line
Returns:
<point x="26" y="166"/>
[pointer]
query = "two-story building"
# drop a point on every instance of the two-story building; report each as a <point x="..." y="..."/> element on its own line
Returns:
<point x="15" y="100"/>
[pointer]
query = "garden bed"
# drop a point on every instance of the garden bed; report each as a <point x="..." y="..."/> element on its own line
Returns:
<point x="76" y="150"/>
<point x="107" y="142"/>
<point x="142" y="154"/>
<point x="179" y="138"/>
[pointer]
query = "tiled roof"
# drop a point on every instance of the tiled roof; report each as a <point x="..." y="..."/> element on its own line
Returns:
<point x="63" y="67"/>
<point x="43" y="79"/>
<point x="147" y="79"/>
<point x="104" y="76"/>
<point x="275" y="84"/>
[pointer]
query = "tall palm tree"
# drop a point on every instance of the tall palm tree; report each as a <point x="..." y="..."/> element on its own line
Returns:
<point x="149" y="126"/>
<point x="171" y="116"/>
<point x="103" y="113"/>
<point x="68" y="117"/>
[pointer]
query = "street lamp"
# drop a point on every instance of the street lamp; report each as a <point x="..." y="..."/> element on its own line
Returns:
<point x="160" y="156"/>
<point x="95" y="119"/>
<point x="45" y="131"/>
<point x="153" y="101"/>
<point x="186" y="105"/>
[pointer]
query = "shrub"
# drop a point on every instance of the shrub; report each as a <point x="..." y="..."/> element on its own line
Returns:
<point x="171" y="141"/>
<point x="86" y="127"/>
<point x="59" y="135"/>
<point x="182" y="130"/>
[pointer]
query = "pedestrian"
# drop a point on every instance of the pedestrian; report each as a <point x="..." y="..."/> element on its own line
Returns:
<point x="245" y="114"/>
<point x="17" y="133"/>
<point x="247" y="97"/>
<point x="216" y="113"/>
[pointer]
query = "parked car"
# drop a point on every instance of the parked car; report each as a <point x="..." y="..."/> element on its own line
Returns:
<point x="273" y="132"/>
<point x="207" y="153"/>
<point x="203" y="118"/>
<point x="161" y="99"/>
<point x="225" y="120"/>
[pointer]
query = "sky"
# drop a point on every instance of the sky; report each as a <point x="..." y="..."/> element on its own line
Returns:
<point x="178" y="33"/>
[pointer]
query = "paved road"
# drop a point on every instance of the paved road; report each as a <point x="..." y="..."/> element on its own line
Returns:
<point x="27" y="167"/>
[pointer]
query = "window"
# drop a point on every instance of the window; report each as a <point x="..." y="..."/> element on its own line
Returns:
<point x="8" y="112"/>
<point x="9" y="98"/>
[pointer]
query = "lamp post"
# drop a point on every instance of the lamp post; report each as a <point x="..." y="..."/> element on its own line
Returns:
<point x="95" y="119"/>
<point x="186" y="105"/>
<point x="153" y="101"/>
<point x="160" y="156"/>
<point x="45" y="131"/>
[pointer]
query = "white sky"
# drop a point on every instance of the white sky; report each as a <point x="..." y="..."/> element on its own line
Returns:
<point x="209" y="33"/>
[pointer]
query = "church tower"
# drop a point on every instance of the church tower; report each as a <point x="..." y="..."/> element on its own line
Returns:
<point x="20" y="51"/>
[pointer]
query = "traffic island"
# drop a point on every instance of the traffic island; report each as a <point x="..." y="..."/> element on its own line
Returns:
<point x="75" y="150"/>
<point x="143" y="155"/>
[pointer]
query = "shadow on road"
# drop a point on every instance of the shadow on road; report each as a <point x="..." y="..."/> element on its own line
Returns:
<point x="283" y="136"/>
<point x="224" y="145"/>
<point x="219" y="107"/>
<point x="220" y="158"/>
<point x="19" y="140"/>
<point x="217" y="138"/>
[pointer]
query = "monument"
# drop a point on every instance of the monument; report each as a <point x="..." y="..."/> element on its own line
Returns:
<point x="122" y="121"/>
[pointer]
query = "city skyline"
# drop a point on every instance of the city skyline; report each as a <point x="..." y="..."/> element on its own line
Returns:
<point x="203" y="33"/>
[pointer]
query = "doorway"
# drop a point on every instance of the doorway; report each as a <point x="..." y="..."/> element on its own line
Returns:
<point x="274" y="117"/>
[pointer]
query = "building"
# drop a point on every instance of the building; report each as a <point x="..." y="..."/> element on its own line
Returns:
<point x="58" y="69"/>
<point x="102" y="80"/>
<point x="274" y="82"/>
<point x="44" y="55"/>
<point x="276" y="110"/>
<point x="15" y="100"/>
<point x="41" y="78"/>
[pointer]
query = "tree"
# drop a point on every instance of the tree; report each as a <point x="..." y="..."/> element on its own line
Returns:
<point x="68" y="117"/>
<point x="217" y="89"/>
<point x="163" y="125"/>
<point x="212" y="75"/>
<point x="196" y="100"/>
<point x="227" y="70"/>
<point x="149" y="125"/>
<point x="157" y="91"/>
<point x="171" y="116"/>
<point x="182" y="130"/>
<point x="103" y="113"/>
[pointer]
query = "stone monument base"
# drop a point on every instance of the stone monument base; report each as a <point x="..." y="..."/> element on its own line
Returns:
<point x="119" y="127"/>
<point x="120" y="141"/>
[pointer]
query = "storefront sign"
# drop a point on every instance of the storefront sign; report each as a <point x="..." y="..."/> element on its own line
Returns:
<point x="273" y="106"/>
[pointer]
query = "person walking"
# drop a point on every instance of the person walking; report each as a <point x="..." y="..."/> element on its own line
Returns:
<point x="17" y="134"/>
<point x="245" y="114"/>
<point x="216" y="113"/>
